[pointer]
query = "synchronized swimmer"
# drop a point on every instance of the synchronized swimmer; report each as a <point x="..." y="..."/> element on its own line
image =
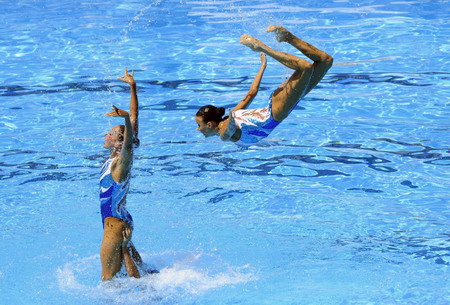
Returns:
<point x="245" y="126"/>
<point x="116" y="247"/>
<point x="248" y="126"/>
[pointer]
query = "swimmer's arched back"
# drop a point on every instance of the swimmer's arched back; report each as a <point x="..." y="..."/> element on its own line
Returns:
<point x="248" y="126"/>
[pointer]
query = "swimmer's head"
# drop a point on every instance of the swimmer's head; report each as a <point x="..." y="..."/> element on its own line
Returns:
<point x="207" y="118"/>
<point x="114" y="138"/>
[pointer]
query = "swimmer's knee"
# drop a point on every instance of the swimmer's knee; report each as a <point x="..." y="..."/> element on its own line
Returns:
<point x="328" y="61"/>
<point x="324" y="64"/>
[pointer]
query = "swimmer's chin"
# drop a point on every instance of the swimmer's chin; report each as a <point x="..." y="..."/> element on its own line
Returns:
<point x="205" y="135"/>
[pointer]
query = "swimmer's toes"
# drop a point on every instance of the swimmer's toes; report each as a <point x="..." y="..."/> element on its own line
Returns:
<point x="280" y="32"/>
<point x="250" y="42"/>
<point x="245" y="38"/>
<point x="271" y="28"/>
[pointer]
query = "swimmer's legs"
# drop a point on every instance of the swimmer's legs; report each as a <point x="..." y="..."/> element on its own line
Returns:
<point x="322" y="60"/>
<point x="287" y="95"/>
<point x="111" y="248"/>
<point x="289" y="60"/>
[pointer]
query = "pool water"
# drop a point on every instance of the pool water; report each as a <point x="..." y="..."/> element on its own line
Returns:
<point x="347" y="202"/>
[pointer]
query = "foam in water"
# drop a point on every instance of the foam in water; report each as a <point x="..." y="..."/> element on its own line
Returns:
<point x="182" y="276"/>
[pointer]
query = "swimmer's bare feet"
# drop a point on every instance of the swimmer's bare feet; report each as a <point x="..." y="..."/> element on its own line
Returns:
<point x="281" y="33"/>
<point x="252" y="43"/>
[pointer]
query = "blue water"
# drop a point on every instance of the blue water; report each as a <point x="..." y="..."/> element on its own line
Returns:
<point x="346" y="203"/>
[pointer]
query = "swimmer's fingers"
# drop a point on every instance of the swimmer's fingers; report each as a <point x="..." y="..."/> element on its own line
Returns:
<point x="117" y="112"/>
<point x="126" y="233"/>
<point x="263" y="59"/>
<point x="127" y="77"/>
<point x="128" y="74"/>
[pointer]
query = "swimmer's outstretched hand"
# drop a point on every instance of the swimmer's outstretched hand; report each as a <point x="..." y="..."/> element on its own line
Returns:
<point x="117" y="112"/>
<point x="126" y="233"/>
<point x="128" y="78"/>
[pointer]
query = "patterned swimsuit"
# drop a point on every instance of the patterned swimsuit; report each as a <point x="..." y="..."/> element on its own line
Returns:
<point x="255" y="124"/>
<point x="113" y="195"/>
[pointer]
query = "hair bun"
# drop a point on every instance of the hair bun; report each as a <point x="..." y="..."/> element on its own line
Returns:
<point x="220" y="111"/>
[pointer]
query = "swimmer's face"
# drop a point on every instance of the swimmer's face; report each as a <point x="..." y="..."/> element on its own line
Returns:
<point x="113" y="137"/>
<point x="207" y="129"/>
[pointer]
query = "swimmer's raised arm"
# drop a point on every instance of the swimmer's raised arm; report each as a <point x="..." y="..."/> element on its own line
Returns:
<point x="246" y="101"/>
<point x="134" y="105"/>
<point x="122" y="166"/>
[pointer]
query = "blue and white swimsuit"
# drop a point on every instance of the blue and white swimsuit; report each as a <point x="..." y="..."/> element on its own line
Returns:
<point x="113" y="195"/>
<point x="255" y="124"/>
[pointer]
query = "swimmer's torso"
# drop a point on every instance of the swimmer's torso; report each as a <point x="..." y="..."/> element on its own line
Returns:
<point x="254" y="124"/>
<point x="113" y="195"/>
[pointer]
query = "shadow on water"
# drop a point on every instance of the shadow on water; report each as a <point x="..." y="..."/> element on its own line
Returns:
<point x="302" y="166"/>
<point x="436" y="250"/>
<point x="40" y="166"/>
<point x="241" y="83"/>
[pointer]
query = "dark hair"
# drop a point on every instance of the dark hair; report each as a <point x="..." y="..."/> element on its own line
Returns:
<point x="121" y="136"/>
<point x="210" y="113"/>
<point x="122" y="132"/>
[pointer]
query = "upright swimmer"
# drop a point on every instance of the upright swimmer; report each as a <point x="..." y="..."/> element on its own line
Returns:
<point x="248" y="126"/>
<point x="114" y="184"/>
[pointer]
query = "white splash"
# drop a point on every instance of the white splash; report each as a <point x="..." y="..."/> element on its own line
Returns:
<point x="182" y="276"/>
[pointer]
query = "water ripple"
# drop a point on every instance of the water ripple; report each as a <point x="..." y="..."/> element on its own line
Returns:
<point x="199" y="85"/>
<point x="317" y="165"/>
